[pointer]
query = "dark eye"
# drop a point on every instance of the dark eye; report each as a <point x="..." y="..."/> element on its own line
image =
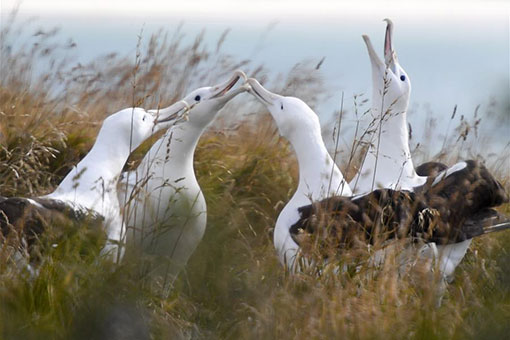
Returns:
<point x="143" y="119"/>
<point x="402" y="77"/>
<point x="281" y="107"/>
<point x="197" y="98"/>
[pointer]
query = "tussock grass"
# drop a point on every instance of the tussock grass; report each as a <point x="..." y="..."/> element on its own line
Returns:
<point x="234" y="286"/>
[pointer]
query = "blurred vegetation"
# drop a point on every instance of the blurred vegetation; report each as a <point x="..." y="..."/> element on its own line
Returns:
<point x="234" y="286"/>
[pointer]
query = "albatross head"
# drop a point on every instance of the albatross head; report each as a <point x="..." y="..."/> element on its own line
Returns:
<point x="207" y="101"/>
<point x="291" y="114"/>
<point x="134" y="125"/>
<point x="391" y="84"/>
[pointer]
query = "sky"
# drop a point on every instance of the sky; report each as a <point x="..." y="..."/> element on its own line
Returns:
<point x="455" y="52"/>
<point x="263" y="8"/>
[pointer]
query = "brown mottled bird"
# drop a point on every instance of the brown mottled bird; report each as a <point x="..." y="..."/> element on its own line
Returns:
<point x="452" y="207"/>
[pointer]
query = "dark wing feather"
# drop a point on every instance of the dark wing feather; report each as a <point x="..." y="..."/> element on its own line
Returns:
<point x="29" y="221"/>
<point x="430" y="169"/>
<point x="345" y="222"/>
<point x="455" y="208"/>
<point x="464" y="196"/>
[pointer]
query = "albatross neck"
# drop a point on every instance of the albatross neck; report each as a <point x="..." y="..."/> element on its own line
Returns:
<point x="388" y="162"/>
<point x="319" y="176"/>
<point x="176" y="149"/>
<point x="96" y="175"/>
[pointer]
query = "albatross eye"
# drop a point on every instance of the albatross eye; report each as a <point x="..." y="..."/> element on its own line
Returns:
<point x="143" y="118"/>
<point x="197" y="98"/>
<point x="402" y="77"/>
<point x="281" y="106"/>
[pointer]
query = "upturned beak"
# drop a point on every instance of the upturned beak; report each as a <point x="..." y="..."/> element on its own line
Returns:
<point x="377" y="64"/>
<point x="390" y="57"/>
<point x="174" y="114"/>
<point x="265" y="96"/>
<point x="222" y="90"/>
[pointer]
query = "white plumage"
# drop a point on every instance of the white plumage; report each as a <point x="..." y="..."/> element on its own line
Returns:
<point x="165" y="210"/>
<point x="388" y="162"/>
<point x="90" y="188"/>
<point x="319" y="177"/>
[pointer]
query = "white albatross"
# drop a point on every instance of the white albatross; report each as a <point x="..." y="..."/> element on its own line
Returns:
<point x="388" y="162"/>
<point x="89" y="190"/>
<point x="166" y="212"/>
<point x="319" y="177"/>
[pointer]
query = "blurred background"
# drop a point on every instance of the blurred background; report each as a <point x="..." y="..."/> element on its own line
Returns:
<point x="456" y="53"/>
<point x="66" y="65"/>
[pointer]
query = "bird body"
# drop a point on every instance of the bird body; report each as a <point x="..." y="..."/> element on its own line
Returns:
<point x="319" y="177"/>
<point x="165" y="209"/>
<point x="388" y="162"/>
<point x="88" y="191"/>
<point x="447" y="211"/>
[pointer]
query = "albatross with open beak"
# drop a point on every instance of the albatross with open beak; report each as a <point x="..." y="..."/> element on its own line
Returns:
<point x="388" y="163"/>
<point x="89" y="191"/>
<point x="166" y="211"/>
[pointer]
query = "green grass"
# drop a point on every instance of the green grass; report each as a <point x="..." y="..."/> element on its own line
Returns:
<point x="233" y="286"/>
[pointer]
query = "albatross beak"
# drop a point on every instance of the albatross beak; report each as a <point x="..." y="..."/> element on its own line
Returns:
<point x="222" y="90"/>
<point x="377" y="64"/>
<point x="260" y="92"/>
<point x="174" y="114"/>
<point x="390" y="57"/>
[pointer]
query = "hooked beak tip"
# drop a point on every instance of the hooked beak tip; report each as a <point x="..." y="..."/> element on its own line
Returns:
<point x="224" y="88"/>
<point x="366" y="38"/>
<point x="242" y="75"/>
<point x="389" y="53"/>
<point x="259" y="91"/>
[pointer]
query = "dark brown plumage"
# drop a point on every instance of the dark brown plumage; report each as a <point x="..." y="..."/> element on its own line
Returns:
<point x="430" y="169"/>
<point x="448" y="209"/>
<point x="27" y="219"/>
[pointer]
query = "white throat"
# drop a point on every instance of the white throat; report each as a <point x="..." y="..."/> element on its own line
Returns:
<point x="388" y="162"/>
<point x="172" y="155"/>
<point x="92" y="182"/>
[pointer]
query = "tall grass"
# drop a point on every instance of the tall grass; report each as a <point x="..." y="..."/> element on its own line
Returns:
<point x="234" y="286"/>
